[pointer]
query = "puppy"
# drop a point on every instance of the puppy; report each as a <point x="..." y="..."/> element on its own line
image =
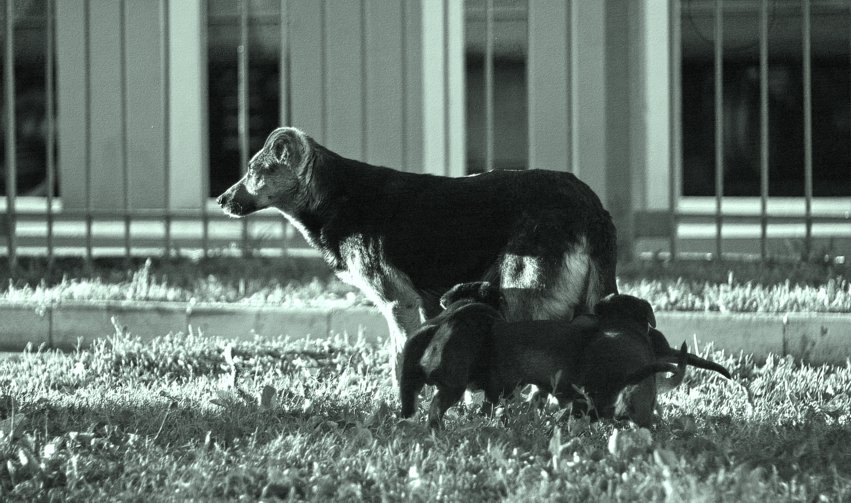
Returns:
<point x="614" y="306"/>
<point x="609" y="356"/>
<point x="450" y="351"/>
<point x="469" y="346"/>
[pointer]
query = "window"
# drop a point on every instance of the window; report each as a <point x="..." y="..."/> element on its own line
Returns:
<point x="830" y="25"/>
<point x="30" y="37"/>
<point x="509" y="127"/>
<point x="264" y="46"/>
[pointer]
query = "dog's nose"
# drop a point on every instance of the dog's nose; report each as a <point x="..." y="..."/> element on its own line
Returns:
<point x="221" y="200"/>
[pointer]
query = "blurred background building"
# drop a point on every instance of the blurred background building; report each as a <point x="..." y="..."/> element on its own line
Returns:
<point x="706" y="126"/>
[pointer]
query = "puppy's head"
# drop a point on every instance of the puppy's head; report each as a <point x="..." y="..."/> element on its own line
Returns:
<point x="625" y="307"/>
<point x="478" y="291"/>
<point x="636" y="401"/>
<point x="275" y="175"/>
<point x="622" y="381"/>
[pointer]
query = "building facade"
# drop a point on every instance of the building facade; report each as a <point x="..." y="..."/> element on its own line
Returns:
<point x="706" y="126"/>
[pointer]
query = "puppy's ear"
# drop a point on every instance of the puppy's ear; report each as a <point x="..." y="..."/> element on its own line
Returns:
<point x="478" y="291"/>
<point x="287" y="147"/>
<point x="622" y="306"/>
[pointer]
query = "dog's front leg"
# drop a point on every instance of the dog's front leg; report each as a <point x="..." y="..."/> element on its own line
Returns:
<point x="403" y="319"/>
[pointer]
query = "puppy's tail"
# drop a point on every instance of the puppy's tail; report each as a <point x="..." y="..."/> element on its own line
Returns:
<point x="413" y="377"/>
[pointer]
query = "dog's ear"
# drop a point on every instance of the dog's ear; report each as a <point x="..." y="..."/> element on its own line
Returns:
<point x="287" y="147"/>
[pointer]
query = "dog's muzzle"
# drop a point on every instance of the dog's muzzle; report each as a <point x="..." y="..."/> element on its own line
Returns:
<point x="236" y="201"/>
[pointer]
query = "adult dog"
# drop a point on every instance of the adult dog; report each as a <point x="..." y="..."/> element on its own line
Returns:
<point x="404" y="238"/>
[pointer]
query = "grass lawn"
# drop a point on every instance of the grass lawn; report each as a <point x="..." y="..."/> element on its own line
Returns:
<point x="684" y="286"/>
<point x="187" y="417"/>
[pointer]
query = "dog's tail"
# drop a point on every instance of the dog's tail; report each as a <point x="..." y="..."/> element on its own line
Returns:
<point x="413" y="377"/>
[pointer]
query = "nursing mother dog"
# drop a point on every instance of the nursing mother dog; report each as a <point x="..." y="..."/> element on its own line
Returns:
<point x="405" y="238"/>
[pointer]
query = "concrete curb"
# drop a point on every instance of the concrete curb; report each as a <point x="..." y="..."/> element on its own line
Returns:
<point x="812" y="337"/>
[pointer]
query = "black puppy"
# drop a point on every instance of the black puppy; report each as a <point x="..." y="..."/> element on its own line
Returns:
<point x="641" y="311"/>
<point x="609" y="356"/>
<point x="470" y="347"/>
<point x="451" y="350"/>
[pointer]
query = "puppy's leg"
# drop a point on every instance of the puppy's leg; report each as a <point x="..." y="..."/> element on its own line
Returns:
<point x="443" y="399"/>
<point x="487" y="408"/>
<point x="413" y="377"/>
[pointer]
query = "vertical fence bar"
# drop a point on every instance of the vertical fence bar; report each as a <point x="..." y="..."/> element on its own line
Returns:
<point x="719" y="122"/>
<point x="166" y="75"/>
<point x="489" y="104"/>
<point x="763" y="127"/>
<point x="50" y="154"/>
<point x="323" y="70"/>
<point x="808" y="127"/>
<point x="242" y="102"/>
<point x="403" y="49"/>
<point x="283" y="65"/>
<point x="87" y="83"/>
<point x="284" y="93"/>
<point x="674" y="123"/>
<point x="122" y="148"/>
<point x="11" y="147"/>
<point x="446" y="90"/>
<point x="205" y="188"/>
<point x="364" y="88"/>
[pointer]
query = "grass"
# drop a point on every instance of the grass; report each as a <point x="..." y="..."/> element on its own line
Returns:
<point x="686" y="286"/>
<point x="188" y="417"/>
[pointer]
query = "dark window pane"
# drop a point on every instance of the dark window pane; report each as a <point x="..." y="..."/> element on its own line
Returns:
<point x="30" y="38"/>
<point x="509" y="84"/>
<point x="264" y="47"/>
<point x="831" y="100"/>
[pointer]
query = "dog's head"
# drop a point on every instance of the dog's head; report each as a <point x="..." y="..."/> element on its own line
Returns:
<point x="275" y="175"/>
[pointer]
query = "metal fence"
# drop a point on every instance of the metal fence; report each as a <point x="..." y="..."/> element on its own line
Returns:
<point x="168" y="231"/>
<point x="835" y="214"/>
<point x="89" y="231"/>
